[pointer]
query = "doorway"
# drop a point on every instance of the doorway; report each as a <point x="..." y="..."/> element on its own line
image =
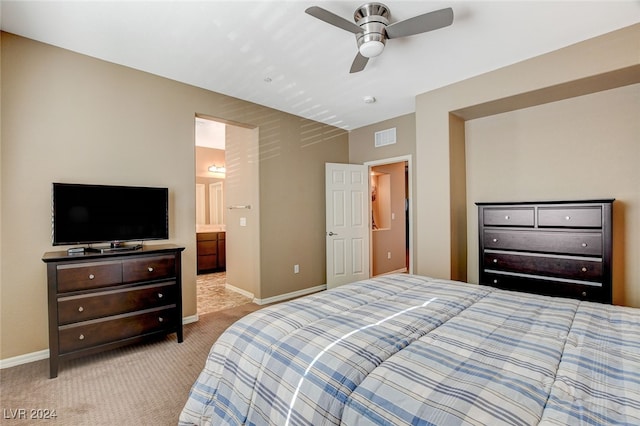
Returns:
<point x="391" y="217"/>
<point x="210" y="176"/>
<point x="225" y="178"/>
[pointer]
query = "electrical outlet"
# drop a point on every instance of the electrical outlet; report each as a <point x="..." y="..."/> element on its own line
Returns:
<point x="296" y="269"/>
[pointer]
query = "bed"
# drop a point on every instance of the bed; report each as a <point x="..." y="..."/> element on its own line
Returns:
<point x="407" y="349"/>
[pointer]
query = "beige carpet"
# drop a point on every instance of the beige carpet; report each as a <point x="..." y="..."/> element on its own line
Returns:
<point x="144" y="384"/>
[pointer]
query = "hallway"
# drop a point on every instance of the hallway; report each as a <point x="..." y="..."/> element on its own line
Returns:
<point x="213" y="296"/>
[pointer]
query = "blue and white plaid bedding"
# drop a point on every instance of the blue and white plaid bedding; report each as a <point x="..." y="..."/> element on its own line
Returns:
<point x="406" y="349"/>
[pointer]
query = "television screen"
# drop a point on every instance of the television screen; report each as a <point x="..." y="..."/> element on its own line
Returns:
<point x="84" y="214"/>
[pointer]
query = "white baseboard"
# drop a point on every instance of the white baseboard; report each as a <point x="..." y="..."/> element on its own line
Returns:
<point x="44" y="354"/>
<point x="245" y="293"/>
<point x="190" y="319"/>
<point x="24" y="359"/>
<point x="291" y="295"/>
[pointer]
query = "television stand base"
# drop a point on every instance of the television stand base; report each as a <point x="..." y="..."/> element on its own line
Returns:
<point x="119" y="248"/>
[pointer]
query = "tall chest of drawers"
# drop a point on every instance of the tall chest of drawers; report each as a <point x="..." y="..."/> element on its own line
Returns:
<point x="558" y="248"/>
<point x="100" y="301"/>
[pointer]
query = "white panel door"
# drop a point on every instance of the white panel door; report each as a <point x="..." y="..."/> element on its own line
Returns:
<point x="347" y="217"/>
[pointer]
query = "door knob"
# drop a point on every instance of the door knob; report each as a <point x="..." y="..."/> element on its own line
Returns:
<point x="331" y="234"/>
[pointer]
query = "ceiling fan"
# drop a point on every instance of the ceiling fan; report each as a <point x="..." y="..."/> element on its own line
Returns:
<point x="372" y="28"/>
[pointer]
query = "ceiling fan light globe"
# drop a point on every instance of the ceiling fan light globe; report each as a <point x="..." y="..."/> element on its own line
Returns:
<point x="371" y="48"/>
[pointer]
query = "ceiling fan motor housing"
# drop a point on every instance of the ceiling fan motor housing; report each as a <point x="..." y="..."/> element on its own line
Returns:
<point x="373" y="19"/>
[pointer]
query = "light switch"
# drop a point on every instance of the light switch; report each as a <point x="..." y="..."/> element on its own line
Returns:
<point x="243" y="221"/>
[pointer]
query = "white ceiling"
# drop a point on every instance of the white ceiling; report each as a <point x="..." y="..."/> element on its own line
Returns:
<point x="210" y="134"/>
<point x="233" y="47"/>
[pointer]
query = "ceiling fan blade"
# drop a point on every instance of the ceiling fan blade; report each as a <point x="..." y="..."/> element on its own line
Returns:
<point x="421" y="23"/>
<point x="358" y="63"/>
<point x="333" y="19"/>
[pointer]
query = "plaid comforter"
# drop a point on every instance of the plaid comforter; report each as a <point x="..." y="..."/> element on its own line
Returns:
<point x="406" y="349"/>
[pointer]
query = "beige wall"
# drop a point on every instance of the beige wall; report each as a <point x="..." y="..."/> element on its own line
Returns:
<point x="361" y="141"/>
<point x="600" y="64"/>
<point x="68" y="117"/>
<point x="242" y="189"/>
<point x="292" y="203"/>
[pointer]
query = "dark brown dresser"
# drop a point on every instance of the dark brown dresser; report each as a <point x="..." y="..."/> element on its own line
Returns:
<point x="100" y="301"/>
<point x="555" y="248"/>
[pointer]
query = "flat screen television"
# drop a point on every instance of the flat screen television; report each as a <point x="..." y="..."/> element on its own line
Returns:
<point x="87" y="214"/>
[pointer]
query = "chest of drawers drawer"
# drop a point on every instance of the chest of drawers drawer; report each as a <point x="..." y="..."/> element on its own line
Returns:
<point x="84" y="276"/>
<point x="554" y="266"/>
<point x="101" y="304"/>
<point x="509" y="216"/>
<point x="573" y="217"/>
<point x="93" y="333"/>
<point x="578" y="243"/>
<point x="548" y="287"/>
<point x="148" y="268"/>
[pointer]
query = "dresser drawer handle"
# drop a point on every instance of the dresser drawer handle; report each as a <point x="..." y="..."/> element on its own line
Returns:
<point x="507" y="217"/>
<point x="583" y="244"/>
<point x="495" y="240"/>
<point x="584" y="269"/>
<point x="495" y="260"/>
<point x="160" y="295"/>
<point x="495" y="281"/>
<point x="81" y="337"/>
<point x="567" y="218"/>
<point x="160" y="319"/>
<point x="584" y="294"/>
<point x="91" y="276"/>
<point x="150" y="269"/>
<point x="80" y="309"/>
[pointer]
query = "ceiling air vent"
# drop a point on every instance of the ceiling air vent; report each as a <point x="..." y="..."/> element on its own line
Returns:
<point x="385" y="137"/>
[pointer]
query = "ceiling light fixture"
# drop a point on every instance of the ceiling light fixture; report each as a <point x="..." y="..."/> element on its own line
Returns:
<point x="217" y="169"/>
<point x="369" y="99"/>
<point x="371" y="48"/>
<point x="373" y="18"/>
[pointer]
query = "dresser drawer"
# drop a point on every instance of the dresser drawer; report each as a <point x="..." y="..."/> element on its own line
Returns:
<point x="101" y="304"/>
<point x="148" y="268"/>
<point x="83" y="276"/>
<point x="578" y="217"/>
<point x="560" y="267"/>
<point x="548" y="287"/>
<point x="579" y="243"/>
<point x="509" y="216"/>
<point x="97" y="332"/>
